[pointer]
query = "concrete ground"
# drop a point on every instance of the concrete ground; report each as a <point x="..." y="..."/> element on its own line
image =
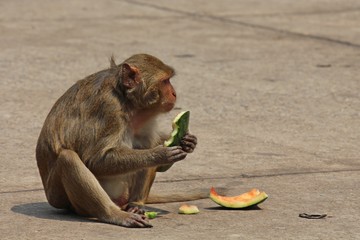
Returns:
<point x="274" y="92"/>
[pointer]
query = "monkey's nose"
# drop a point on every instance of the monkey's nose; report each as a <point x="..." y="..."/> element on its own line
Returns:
<point x="174" y="94"/>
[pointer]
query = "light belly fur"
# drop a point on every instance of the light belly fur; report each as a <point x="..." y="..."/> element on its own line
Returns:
<point x="117" y="187"/>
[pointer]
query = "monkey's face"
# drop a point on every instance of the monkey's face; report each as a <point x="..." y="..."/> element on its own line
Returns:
<point x="146" y="81"/>
<point x="167" y="95"/>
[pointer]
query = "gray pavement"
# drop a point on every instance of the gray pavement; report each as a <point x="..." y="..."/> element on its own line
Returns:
<point x="274" y="92"/>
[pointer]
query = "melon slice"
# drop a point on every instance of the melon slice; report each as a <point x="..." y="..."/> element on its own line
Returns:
<point x="251" y="198"/>
<point x="188" y="209"/>
<point x="180" y="127"/>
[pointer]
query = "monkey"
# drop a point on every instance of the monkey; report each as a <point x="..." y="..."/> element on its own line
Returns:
<point x="99" y="149"/>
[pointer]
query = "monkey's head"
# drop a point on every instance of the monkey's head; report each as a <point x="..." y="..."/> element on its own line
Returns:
<point x="145" y="82"/>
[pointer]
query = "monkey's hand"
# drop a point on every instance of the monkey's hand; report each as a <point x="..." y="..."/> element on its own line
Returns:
<point x="174" y="154"/>
<point x="170" y="155"/>
<point x="188" y="143"/>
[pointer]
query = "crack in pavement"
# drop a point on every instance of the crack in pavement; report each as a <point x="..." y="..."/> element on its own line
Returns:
<point x="246" y="24"/>
<point x="22" y="191"/>
<point x="260" y="175"/>
<point x="219" y="178"/>
<point x="304" y="13"/>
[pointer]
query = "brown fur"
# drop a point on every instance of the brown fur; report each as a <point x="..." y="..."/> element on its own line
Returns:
<point x="98" y="151"/>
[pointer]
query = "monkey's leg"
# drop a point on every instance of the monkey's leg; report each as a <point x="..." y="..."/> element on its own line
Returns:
<point x="139" y="191"/>
<point x="85" y="194"/>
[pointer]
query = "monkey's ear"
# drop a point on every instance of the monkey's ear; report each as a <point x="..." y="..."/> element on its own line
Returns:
<point x="112" y="62"/>
<point x="130" y="76"/>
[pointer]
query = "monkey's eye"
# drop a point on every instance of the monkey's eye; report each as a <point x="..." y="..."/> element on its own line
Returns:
<point x="166" y="81"/>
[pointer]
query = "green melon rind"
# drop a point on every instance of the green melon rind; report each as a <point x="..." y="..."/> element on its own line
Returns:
<point x="151" y="215"/>
<point x="180" y="127"/>
<point x="255" y="201"/>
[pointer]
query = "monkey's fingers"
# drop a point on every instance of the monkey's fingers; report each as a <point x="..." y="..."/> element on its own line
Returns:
<point x="175" y="154"/>
<point x="136" y="221"/>
<point x="190" y="138"/>
<point x="187" y="146"/>
<point x="188" y="143"/>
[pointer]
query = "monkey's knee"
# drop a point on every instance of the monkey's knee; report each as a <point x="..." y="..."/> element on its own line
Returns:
<point x="56" y="195"/>
<point x="60" y="202"/>
<point x="55" y="189"/>
<point x="68" y="158"/>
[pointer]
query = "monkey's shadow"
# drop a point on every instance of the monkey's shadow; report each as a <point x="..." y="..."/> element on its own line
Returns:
<point x="251" y="208"/>
<point x="45" y="211"/>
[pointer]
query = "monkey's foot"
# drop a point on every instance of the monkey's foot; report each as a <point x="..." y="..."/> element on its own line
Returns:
<point x="127" y="219"/>
<point x="135" y="221"/>
<point x="134" y="208"/>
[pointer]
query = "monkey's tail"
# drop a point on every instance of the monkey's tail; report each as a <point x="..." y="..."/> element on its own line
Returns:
<point x="189" y="195"/>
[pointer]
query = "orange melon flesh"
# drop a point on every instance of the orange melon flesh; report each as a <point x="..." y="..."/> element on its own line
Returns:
<point x="244" y="200"/>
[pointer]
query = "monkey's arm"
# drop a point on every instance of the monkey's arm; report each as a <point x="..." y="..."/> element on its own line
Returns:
<point x="122" y="160"/>
<point x="164" y="168"/>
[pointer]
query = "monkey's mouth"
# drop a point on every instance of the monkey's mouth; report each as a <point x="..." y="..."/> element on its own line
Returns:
<point x="167" y="106"/>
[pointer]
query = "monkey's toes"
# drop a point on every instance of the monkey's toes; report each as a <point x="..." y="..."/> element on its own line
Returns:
<point x="136" y="209"/>
<point x="136" y="221"/>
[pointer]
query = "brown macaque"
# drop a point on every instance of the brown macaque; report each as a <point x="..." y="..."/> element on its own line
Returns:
<point x="98" y="151"/>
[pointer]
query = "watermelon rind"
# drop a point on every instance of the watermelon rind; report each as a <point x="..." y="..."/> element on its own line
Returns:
<point x="151" y="215"/>
<point x="180" y="127"/>
<point x="232" y="202"/>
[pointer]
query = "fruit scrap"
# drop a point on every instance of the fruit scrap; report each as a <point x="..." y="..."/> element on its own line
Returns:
<point x="151" y="215"/>
<point x="188" y="209"/>
<point x="244" y="200"/>
<point x="180" y="127"/>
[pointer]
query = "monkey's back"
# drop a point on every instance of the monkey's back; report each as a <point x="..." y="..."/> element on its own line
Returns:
<point x="81" y="118"/>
